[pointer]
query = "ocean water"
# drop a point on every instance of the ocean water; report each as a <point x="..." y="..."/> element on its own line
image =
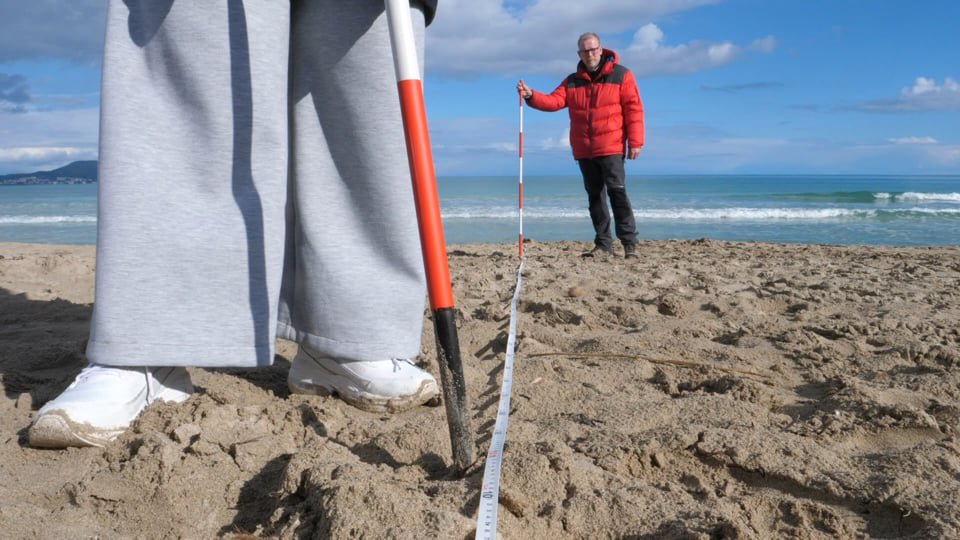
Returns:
<point x="49" y="214"/>
<point x="849" y="209"/>
<point x="854" y="210"/>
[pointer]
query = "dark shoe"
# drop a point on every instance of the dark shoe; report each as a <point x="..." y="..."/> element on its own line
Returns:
<point x="629" y="251"/>
<point x="599" y="252"/>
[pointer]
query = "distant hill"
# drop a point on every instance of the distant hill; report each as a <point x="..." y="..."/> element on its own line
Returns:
<point x="78" y="172"/>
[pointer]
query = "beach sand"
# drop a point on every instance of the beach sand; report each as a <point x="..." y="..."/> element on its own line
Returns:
<point x="707" y="390"/>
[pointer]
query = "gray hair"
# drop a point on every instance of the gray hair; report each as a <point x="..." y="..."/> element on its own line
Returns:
<point x="587" y="35"/>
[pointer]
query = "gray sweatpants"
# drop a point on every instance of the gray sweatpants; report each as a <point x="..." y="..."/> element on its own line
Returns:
<point x="253" y="184"/>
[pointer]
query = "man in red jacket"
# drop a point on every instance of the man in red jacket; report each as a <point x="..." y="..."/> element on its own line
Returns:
<point x="606" y="125"/>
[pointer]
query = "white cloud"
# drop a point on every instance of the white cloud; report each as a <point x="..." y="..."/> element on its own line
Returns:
<point x="764" y="45"/>
<point x="37" y="140"/>
<point x="947" y="155"/>
<point x="925" y="86"/>
<point x="721" y="54"/>
<point x="647" y="38"/>
<point x="39" y="153"/>
<point x="561" y="142"/>
<point x="914" y="140"/>
<point x="505" y="147"/>
<point x="925" y="95"/>
<point x="31" y="159"/>
<point x="649" y="55"/>
<point x="541" y="37"/>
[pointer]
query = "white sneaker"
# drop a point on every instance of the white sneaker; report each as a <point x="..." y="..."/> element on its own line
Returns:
<point x="102" y="402"/>
<point x="386" y="385"/>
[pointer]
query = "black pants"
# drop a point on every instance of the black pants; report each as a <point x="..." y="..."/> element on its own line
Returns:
<point x="604" y="176"/>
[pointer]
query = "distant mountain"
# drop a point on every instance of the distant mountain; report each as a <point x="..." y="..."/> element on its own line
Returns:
<point x="78" y="172"/>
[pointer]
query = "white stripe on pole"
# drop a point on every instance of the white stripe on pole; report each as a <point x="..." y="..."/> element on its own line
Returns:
<point x="401" y="35"/>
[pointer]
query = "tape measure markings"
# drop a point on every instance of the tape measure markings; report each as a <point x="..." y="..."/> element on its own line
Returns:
<point x="490" y="490"/>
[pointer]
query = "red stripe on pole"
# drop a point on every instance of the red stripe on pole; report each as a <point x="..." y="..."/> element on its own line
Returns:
<point x="425" y="194"/>
<point x="520" y="179"/>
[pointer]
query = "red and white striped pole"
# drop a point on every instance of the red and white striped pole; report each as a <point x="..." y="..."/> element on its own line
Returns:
<point x="432" y="243"/>
<point x="520" y="145"/>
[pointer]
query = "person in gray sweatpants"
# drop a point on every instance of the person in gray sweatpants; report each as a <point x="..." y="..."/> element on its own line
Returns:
<point x="253" y="184"/>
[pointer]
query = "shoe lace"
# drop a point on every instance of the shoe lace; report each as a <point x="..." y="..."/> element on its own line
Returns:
<point x="399" y="362"/>
<point x="150" y="392"/>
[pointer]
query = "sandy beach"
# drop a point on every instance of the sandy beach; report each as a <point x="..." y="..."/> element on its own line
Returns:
<point x="707" y="390"/>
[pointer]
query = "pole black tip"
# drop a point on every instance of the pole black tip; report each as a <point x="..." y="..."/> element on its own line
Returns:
<point x="454" y="388"/>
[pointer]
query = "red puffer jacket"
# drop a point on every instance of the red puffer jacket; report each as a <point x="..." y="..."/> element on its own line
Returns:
<point x="605" y="113"/>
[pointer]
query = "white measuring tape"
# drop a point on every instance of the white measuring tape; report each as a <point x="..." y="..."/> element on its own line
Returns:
<point x="490" y="491"/>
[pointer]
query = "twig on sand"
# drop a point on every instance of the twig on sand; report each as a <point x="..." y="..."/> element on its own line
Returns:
<point x="678" y="363"/>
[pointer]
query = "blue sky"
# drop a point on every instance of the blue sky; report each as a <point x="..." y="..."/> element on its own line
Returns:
<point x="729" y="86"/>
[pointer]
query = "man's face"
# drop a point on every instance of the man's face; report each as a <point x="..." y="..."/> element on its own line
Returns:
<point x="590" y="52"/>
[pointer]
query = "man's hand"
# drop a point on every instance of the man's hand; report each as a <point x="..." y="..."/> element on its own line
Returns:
<point x="524" y="90"/>
<point x="633" y="153"/>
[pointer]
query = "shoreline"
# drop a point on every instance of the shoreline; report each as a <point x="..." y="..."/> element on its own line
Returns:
<point x="532" y="240"/>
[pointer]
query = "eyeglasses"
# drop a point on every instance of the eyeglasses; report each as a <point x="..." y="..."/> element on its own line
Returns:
<point x="589" y="51"/>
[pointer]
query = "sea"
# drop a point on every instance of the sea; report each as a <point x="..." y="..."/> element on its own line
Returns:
<point x="882" y="210"/>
